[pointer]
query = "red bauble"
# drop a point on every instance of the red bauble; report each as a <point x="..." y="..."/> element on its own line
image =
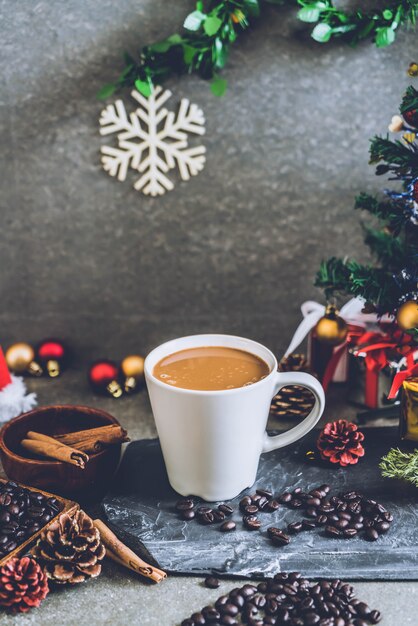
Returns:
<point x="52" y="354"/>
<point x="411" y="117"/>
<point x="23" y="585"/>
<point x="103" y="377"/>
<point x="340" y="442"/>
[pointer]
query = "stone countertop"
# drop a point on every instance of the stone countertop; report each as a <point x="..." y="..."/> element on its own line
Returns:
<point x="119" y="597"/>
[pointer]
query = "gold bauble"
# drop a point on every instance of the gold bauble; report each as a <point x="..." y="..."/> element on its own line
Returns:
<point x="132" y="366"/>
<point x="331" y="329"/>
<point x="19" y="356"/>
<point x="407" y="316"/>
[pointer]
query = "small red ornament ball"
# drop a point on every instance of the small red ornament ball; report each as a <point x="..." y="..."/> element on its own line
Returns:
<point x="51" y="349"/>
<point x="411" y="117"/>
<point x="340" y="442"/>
<point x="102" y="373"/>
<point x="23" y="585"/>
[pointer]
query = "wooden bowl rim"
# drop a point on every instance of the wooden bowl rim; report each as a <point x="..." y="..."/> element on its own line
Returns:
<point x="39" y="409"/>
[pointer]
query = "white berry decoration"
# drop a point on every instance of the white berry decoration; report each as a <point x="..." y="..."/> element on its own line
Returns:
<point x="152" y="141"/>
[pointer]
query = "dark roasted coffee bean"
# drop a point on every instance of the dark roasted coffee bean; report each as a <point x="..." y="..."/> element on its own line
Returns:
<point x="221" y="601"/>
<point x="182" y="505"/>
<point x="229" y="609"/>
<point x="187" y="515"/>
<point x="371" y="534"/>
<point x="295" y="503"/>
<point x="5" y="499"/>
<point x="362" y="609"/>
<point x="211" y="614"/>
<point x="198" y="619"/>
<point x="344" y="515"/>
<point x="227" y="620"/>
<point x="262" y="587"/>
<point x="187" y="622"/>
<point x="312" y="511"/>
<point x="4" y="517"/>
<point x="279" y="538"/>
<point x="251" y="522"/>
<point x="294" y="527"/>
<point x="374" y="617"/>
<point x="313" y="502"/>
<point x="246" y="501"/>
<point x="212" y="582"/>
<point x="368" y="522"/>
<point x="297" y="491"/>
<point x="226" y="509"/>
<point x="382" y="527"/>
<point x="248" y="590"/>
<point x="326" y="508"/>
<point x="349" y="532"/>
<point x="262" y="503"/>
<point x="218" y="515"/>
<point x="206" y="518"/>
<point x="202" y="510"/>
<point x="332" y="532"/>
<point x="285" y="497"/>
<point x="341" y="524"/>
<point x="272" y="505"/>
<point x="360" y="622"/>
<point x="269" y="620"/>
<point x="321" y="520"/>
<point x="238" y="600"/>
<point x="265" y="492"/>
<point x="316" y="493"/>
<point x="259" y="600"/>
<point x="388" y="517"/>
<point x="228" y="526"/>
<point x="251" y="509"/>
<point x="310" y="618"/>
<point x="354" y="507"/>
<point x="308" y="524"/>
<point x="358" y="526"/>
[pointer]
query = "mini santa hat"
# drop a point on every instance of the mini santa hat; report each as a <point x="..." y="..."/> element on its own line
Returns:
<point x="13" y="397"/>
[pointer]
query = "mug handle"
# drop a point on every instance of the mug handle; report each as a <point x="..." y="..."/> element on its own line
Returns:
<point x="284" y="379"/>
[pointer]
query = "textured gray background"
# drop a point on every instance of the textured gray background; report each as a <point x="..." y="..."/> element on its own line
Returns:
<point x="235" y="250"/>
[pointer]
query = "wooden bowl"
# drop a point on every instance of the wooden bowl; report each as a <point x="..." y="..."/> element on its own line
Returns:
<point x="56" y="476"/>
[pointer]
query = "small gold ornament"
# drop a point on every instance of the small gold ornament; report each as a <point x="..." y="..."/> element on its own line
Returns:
<point x="407" y="316"/>
<point x="132" y="368"/>
<point x="331" y="329"/>
<point x="20" y="359"/>
<point x="114" y="389"/>
<point x="408" y="421"/>
<point x="396" y="124"/>
<point x="413" y="70"/>
<point x="409" y="137"/>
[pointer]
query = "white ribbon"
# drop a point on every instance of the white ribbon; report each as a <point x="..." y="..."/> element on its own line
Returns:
<point x="312" y="312"/>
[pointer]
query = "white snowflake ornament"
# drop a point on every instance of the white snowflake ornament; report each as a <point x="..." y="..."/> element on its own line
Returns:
<point x="152" y="141"/>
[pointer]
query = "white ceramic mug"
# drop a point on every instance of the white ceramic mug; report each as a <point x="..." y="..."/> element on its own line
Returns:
<point x="212" y="440"/>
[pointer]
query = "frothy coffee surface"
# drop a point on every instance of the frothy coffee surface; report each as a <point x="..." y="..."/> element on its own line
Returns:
<point x="211" y="368"/>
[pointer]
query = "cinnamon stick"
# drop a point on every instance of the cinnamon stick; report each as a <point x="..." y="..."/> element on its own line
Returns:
<point x="47" y="446"/>
<point x="101" y="437"/>
<point x="117" y="551"/>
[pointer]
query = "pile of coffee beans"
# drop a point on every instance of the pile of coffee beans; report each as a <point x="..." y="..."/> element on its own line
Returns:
<point x="22" y="513"/>
<point x="341" y="516"/>
<point x="288" y="600"/>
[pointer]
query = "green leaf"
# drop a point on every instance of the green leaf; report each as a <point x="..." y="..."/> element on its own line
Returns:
<point x="211" y="25"/>
<point x="218" y="86"/>
<point x="308" y="14"/>
<point x="188" y="53"/>
<point x="387" y="14"/>
<point x="384" y="36"/>
<point x="106" y="91"/>
<point x="194" y="20"/>
<point x="199" y="6"/>
<point x="163" y="46"/>
<point x="143" y="87"/>
<point x="322" y="32"/>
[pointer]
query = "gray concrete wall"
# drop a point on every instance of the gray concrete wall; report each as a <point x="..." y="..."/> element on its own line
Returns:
<point x="234" y="250"/>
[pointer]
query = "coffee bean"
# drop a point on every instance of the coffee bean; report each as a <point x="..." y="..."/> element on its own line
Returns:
<point x="262" y="503"/>
<point x="227" y="620"/>
<point x="187" y="622"/>
<point x="341" y="524"/>
<point x="294" y="527"/>
<point x="382" y="527"/>
<point x="228" y="526"/>
<point x="332" y="532"/>
<point x="226" y="509"/>
<point x="313" y="502"/>
<point x="371" y="534"/>
<point x="285" y="497"/>
<point x="212" y="582"/>
<point x="295" y="503"/>
<point x="246" y="501"/>
<point x="321" y="520"/>
<point x="187" y="515"/>
<point x="218" y="516"/>
<point x="349" y="532"/>
<point x="271" y="506"/>
<point x="388" y="517"/>
<point x="229" y="609"/>
<point x="211" y="614"/>
<point x="248" y="590"/>
<point x="202" y="510"/>
<point x="374" y="617"/>
<point x="278" y="537"/>
<point x="251" y="509"/>
<point x="206" y="518"/>
<point x="184" y="505"/>
<point x="251" y="522"/>
<point x="265" y="492"/>
<point x="198" y="619"/>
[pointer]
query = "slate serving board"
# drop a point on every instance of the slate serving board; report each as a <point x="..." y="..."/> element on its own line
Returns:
<point x="141" y="503"/>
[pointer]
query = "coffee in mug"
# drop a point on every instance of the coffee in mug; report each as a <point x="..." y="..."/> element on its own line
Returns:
<point x="211" y="368"/>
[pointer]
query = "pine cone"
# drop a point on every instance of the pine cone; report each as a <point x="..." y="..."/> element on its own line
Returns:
<point x="70" y="549"/>
<point x="340" y="442"/>
<point x="23" y="585"/>
<point x="293" y="401"/>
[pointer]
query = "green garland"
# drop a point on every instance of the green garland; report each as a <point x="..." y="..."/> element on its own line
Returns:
<point x="401" y="465"/>
<point x="210" y="32"/>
